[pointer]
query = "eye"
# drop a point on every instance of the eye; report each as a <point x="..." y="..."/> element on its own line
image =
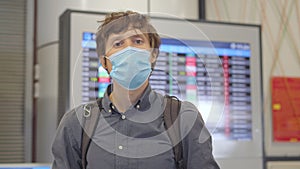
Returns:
<point x="118" y="43"/>
<point x="138" y="41"/>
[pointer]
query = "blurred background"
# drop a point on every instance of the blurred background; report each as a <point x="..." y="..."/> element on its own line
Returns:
<point x="32" y="33"/>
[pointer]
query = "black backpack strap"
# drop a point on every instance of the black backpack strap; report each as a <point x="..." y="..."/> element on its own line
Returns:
<point x="91" y="113"/>
<point x="171" y="113"/>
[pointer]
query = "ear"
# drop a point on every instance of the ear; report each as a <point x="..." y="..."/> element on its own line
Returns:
<point x="103" y="62"/>
<point x="153" y="58"/>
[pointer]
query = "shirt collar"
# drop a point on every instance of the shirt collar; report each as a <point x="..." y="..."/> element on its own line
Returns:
<point x="141" y="104"/>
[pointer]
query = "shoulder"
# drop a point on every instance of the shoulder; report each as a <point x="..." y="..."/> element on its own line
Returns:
<point x="190" y="117"/>
<point x="77" y="113"/>
<point x="73" y="119"/>
<point x="189" y="110"/>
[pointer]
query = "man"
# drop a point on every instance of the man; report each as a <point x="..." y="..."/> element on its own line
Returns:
<point x="130" y="132"/>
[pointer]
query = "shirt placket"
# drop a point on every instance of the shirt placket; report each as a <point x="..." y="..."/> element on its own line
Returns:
<point x="121" y="143"/>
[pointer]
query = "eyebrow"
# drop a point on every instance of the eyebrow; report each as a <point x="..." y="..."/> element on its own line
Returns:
<point x="138" y="36"/>
<point x="130" y="33"/>
<point x="114" y="38"/>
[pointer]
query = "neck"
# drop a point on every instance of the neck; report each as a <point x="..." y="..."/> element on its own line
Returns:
<point x="123" y="98"/>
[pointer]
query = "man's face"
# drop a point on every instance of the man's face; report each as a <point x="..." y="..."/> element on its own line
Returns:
<point x="116" y="42"/>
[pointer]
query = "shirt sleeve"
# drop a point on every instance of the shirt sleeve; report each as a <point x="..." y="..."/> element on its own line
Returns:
<point x="66" y="146"/>
<point x="197" y="141"/>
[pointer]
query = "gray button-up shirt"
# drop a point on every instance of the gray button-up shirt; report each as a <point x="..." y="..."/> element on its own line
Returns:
<point x="135" y="139"/>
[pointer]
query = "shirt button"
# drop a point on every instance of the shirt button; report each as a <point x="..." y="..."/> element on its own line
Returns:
<point x="138" y="106"/>
<point x="120" y="147"/>
<point x="123" y="117"/>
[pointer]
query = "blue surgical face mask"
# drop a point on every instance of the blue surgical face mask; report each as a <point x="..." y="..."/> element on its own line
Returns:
<point x="131" y="67"/>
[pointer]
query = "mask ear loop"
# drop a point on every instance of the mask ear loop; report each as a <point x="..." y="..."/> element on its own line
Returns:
<point x="105" y="62"/>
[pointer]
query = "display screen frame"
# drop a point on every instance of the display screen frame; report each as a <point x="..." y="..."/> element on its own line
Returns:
<point x="215" y="32"/>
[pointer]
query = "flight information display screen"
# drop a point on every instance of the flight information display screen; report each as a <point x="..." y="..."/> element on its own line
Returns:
<point x="215" y="76"/>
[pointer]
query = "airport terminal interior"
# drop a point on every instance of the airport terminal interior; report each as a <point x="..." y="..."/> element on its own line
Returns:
<point x="237" y="61"/>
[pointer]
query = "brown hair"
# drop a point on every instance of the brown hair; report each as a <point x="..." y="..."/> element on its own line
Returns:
<point x="117" y="22"/>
